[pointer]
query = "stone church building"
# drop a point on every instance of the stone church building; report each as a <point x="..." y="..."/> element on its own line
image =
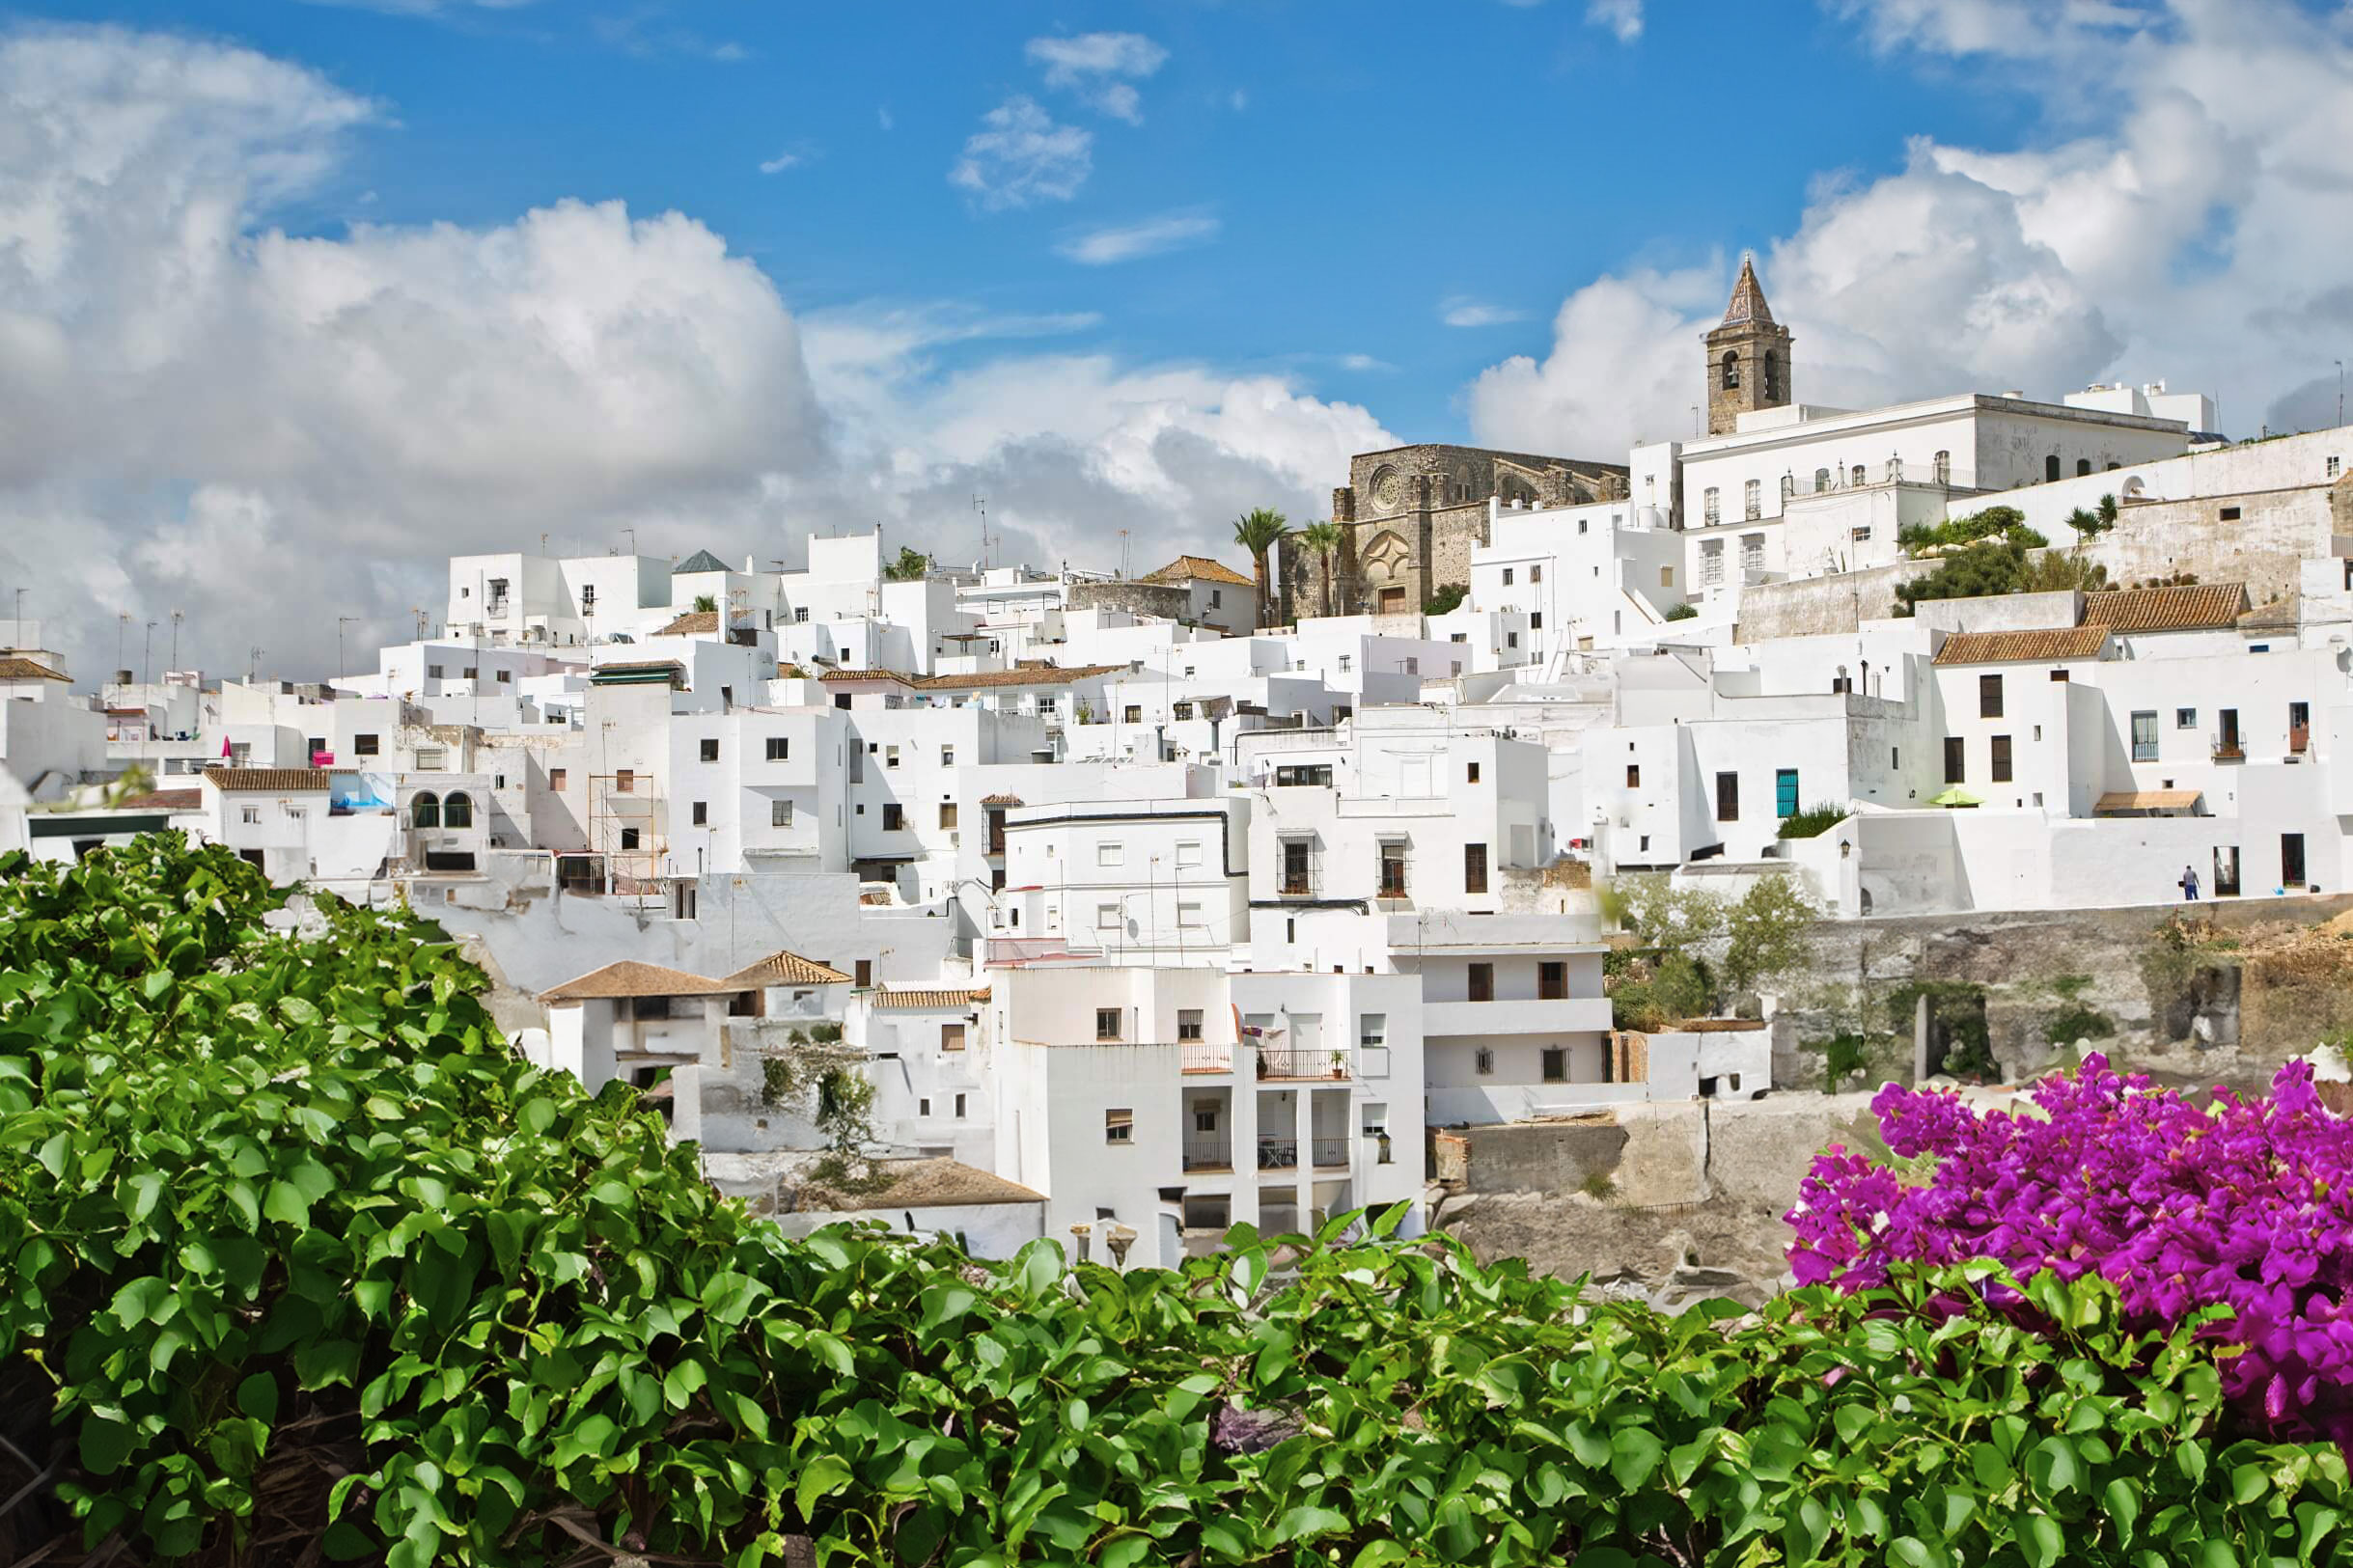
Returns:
<point x="1410" y="515"/>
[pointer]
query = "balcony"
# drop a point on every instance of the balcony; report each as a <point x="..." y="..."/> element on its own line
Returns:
<point x="1205" y="1057"/>
<point x="1277" y="1153"/>
<point x="1525" y="1016"/>
<point x="1292" y="1064"/>
<point x="2228" y="749"/>
<point x="1209" y="1154"/>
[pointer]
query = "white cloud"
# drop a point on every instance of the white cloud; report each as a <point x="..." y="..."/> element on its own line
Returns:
<point x="1023" y="157"/>
<point x="1623" y="18"/>
<point x="1132" y="242"/>
<point x="1363" y="362"/>
<point x="1093" y="65"/>
<point x="269" y="431"/>
<point x="778" y="164"/>
<point x="882" y="118"/>
<point x="1237" y="100"/>
<point x="2191" y="226"/>
<point x="1462" y="311"/>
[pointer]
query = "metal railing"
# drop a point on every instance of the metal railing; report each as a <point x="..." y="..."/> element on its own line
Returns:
<point x="1277" y="1153"/>
<point x="1209" y="1154"/>
<point x="1296" y="1063"/>
<point x="1205" y="1057"/>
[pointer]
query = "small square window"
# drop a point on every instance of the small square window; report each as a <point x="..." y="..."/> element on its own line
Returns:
<point x="710" y="749"/>
<point x="1536" y="574"/>
<point x="1470" y="773"/>
<point x="2185" y="718"/>
<point x="1482" y="1061"/>
<point x="780" y="748"/>
<point x="780" y="814"/>
<point x="1107" y="916"/>
<point x="555" y="780"/>
<point x="1106" y="1022"/>
<point x="1188" y="1023"/>
<point x="364" y="746"/>
<point x="1108" y="853"/>
<point x="1119" y="1126"/>
<point x="894" y="819"/>
<point x="702" y="814"/>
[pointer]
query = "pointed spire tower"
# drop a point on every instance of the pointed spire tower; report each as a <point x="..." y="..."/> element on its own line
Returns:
<point x="1748" y="356"/>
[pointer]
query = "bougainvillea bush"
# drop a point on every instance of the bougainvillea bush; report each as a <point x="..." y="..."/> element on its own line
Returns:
<point x="2246" y="1204"/>
<point x="301" y="1266"/>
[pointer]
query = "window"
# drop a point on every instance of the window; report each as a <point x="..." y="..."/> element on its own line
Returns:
<point x="2335" y="465"/>
<point x="1184" y="710"/>
<point x="1821" y="480"/>
<point x="2229" y="514"/>
<point x="1728" y="797"/>
<point x="472" y="673"/>
<point x="1106" y="1022"/>
<point x="1119" y="1126"/>
<point x="702" y="814"/>
<point x="780" y="814"/>
<point x="1373" y="1031"/>
<point x="1752" y="500"/>
<point x="1392" y="869"/>
<point x="1473" y="867"/>
<point x="951" y="1038"/>
<point x="1188" y="1023"/>
<point x="1188" y="918"/>
<point x="1785" y="791"/>
<point x="458" y="811"/>
<point x="628" y="838"/>
<point x="1507" y="577"/>
<point x="1482" y="1061"/>
<point x="780" y="748"/>
<point x="1481" y="980"/>
<point x="923" y="1108"/>
<point x="2001" y="759"/>
<point x="1217" y="598"/>
<point x="424" y="812"/>
<point x="1511" y="639"/>
<point x="587" y="597"/>
<point x="555" y="780"/>
<point x="2083" y="466"/>
<point x="1955" y="769"/>
<point x="890" y="756"/>
<point x="1536" y="574"/>
<point x="2185" y="718"/>
<point x="1413" y="667"/>
<point x="1941" y="468"/>
<point x="1711" y="510"/>
<point x="251" y="816"/>
<point x="1989" y="697"/>
<point x="363" y="746"/>
<point x="435" y="671"/>
<point x="1188" y="854"/>
<point x="862" y="974"/>
<point x="1551" y="980"/>
<point x="1634" y="775"/>
<point x="1107" y="916"/>
<point x="1134" y="712"/>
<point x="894" y="819"/>
<point x="2144" y="737"/>
<point x="624" y="782"/>
<point x="947" y="756"/>
<point x="1109" y="853"/>
<point x="710" y="749"/>
<point x="1731" y="370"/>
<point x="1556" y="1064"/>
<point x="1470" y="773"/>
<point x="506" y="678"/>
<point x="959" y="1108"/>
<point x="2050" y="468"/>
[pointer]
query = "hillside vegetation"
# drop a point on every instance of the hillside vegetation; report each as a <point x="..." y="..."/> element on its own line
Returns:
<point x="306" y="1265"/>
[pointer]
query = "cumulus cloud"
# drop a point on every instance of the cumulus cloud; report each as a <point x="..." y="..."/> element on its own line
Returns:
<point x="1463" y="311"/>
<point x="269" y="431"/>
<point x="1101" y="68"/>
<point x="1623" y="19"/>
<point x="1021" y="157"/>
<point x="1132" y="242"/>
<point x="2191" y="226"/>
<point x="778" y="164"/>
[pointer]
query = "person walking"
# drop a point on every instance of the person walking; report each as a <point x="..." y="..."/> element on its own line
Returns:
<point x="2189" y="883"/>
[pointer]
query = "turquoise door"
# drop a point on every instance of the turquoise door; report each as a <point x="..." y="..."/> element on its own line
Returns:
<point x="1785" y="792"/>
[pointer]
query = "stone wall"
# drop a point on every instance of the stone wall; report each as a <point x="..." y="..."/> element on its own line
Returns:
<point x="1166" y="601"/>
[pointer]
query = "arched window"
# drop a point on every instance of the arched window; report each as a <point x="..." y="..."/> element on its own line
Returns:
<point x="2050" y="468"/>
<point x="1944" y="468"/>
<point x="2083" y="466"/>
<point x="1772" y="375"/>
<point x="1711" y="507"/>
<point x="1821" y="480"/>
<point x="425" y="812"/>
<point x="1752" y="500"/>
<point x="1788" y="486"/>
<point x="1856" y="477"/>
<point x="1731" y="370"/>
<point x="458" y="811"/>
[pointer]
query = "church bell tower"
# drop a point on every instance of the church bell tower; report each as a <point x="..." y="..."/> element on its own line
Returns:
<point x="1748" y="356"/>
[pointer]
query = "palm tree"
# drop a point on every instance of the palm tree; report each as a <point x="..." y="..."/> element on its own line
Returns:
<point x="1256" y="532"/>
<point x="1322" y="541"/>
<point x="705" y="603"/>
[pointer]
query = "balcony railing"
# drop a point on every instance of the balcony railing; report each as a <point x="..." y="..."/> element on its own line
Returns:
<point x="1296" y="1065"/>
<point x="2228" y="749"/>
<point x="1209" y="1154"/>
<point x="1297" y="884"/>
<point x="1205" y="1057"/>
<point x="1275" y="1153"/>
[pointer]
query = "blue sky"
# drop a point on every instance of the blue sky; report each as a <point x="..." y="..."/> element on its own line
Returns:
<point x="1362" y="164"/>
<point x="297" y="299"/>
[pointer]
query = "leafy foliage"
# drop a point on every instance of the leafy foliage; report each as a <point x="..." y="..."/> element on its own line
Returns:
<point x="1257" y="531"/>
<point x="1977" y="570"/>
<point x="1682" y="610"/>
<point x="2243" y="1209"/>
<point x="705" y="603"/>
<point x="1753" y="939"/>
<point x="1446" y="598"/>
<point x="1323" y="541"/>
<point x="911" y="567"/>
<point x="2006" y="522"/>
<point x="281" y="1205"/>
<point x="1815" y="820"/>
<point x="814" y="1075"/>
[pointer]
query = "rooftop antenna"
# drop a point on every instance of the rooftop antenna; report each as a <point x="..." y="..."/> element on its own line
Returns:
<point x="253" y="666"/>
<point x="176" y="614"/>
<point x="979" y="503"/>
<point x="340" y="621"/>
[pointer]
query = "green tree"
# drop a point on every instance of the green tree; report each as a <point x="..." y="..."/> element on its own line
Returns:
<point x="1977" y="570"/>
<point x="705" y="604"/>
<point x="2052" y="572"/>
<point x="1445" y="600"/>
<point x="1322" y="540"/>
<point x="1256" y="532"/>
<point x="1765" y="932"/>
<point x="911" y="567"/>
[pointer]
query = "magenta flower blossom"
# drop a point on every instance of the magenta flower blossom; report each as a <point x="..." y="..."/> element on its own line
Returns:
<point x="2248" y="1204"/>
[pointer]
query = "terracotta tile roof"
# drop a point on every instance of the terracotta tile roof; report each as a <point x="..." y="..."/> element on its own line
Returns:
<point x="847" y="676"/>
<point x="782" y="967"/>
<point x="1002" y="800"/>
<point x="925" y="1000"/>
<point x="164" y="800"/>
<point x="2119" y="801"/>
<point x="693" y="621"/>
<point x="637" y="664"/>
<point x="2195" y="606"/>
<point x="269" y="780"/>
<point x="1196" y="570"/>
<point x="1047" y="677"/>
<point x="632" y="978"/>
<point x="14" y="668"/>
<point x="2023" y="647"/>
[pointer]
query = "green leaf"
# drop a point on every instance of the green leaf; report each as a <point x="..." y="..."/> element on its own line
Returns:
<point x="821" y="1478"/>
<point x="286" y="1204"/>
<point x="1308" y="1519"/>
<point x="2040" y="1539"/>
<point x="1634" y="1454"/>
<point x="2052" y="1466"/>
<point x="105" y="1442"/>
<point x="2123" y="1503"/>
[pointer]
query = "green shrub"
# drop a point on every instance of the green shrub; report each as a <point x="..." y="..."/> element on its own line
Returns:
<point x="1813" y="821"/>
<point x="305" y="1265"/>
<point x="1682" y="610"/>
<point x="1445" y="600"/>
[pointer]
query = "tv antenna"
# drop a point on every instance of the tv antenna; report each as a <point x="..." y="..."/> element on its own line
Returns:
<point x="979" y="503"/>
